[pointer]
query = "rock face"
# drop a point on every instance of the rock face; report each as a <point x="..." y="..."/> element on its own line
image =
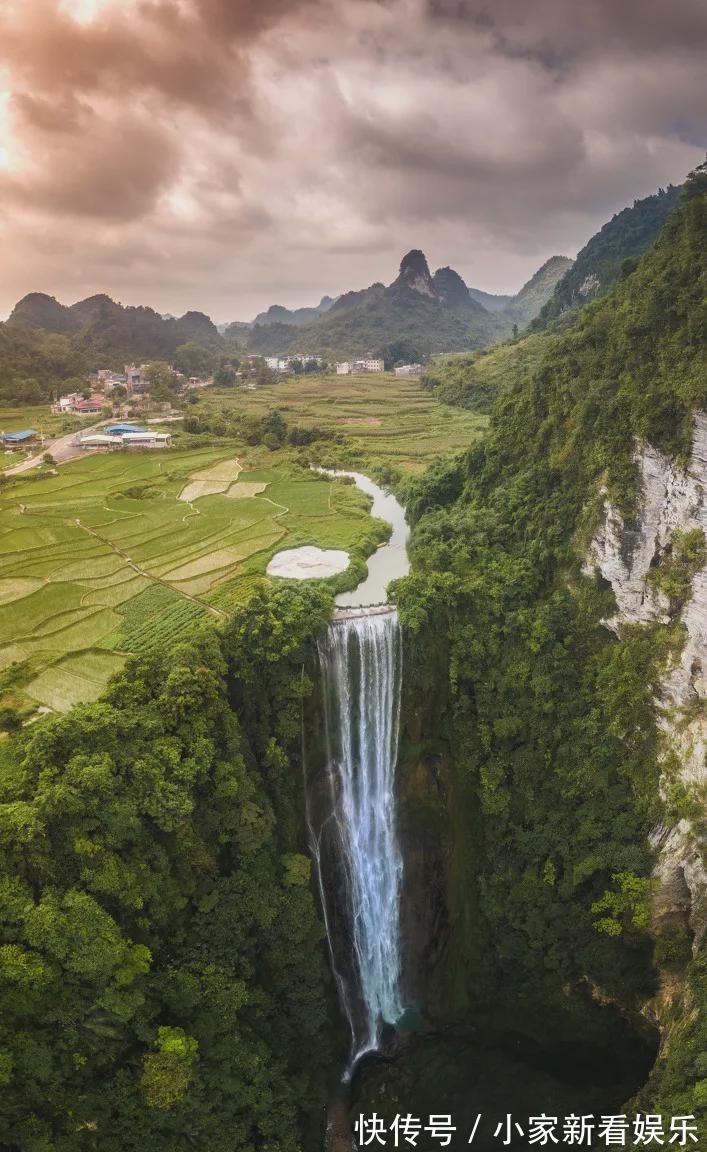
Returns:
<point x="415" y="273"/>
<point x="673" y="500"/>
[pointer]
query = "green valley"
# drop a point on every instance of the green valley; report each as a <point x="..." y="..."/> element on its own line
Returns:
<point x="113" y="555"/>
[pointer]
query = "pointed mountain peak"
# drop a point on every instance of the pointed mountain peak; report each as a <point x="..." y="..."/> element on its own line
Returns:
<point x="415" y="273"/>
<point x="414" y="262"/>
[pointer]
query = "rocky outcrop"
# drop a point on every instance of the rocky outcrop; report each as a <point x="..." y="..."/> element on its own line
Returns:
<point x="625" y="551"/>
<point x="673" y="500"/>
<point x="415" y="274"/>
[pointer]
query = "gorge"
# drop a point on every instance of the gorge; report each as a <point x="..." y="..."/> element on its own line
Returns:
<point x="388" y="906"/>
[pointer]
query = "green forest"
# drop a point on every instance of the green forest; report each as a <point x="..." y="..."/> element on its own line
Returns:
<point x="163" y="964"/>
<point x="164" y="982"/>
<point x="549" y="734"/>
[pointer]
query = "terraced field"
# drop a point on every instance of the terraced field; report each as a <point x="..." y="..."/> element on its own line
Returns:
<point x="386" y="419"/>
<point x="116" y="554"/>
<point x="104" y="558"/>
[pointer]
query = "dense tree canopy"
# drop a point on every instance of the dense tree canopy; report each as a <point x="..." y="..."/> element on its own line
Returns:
<point x="550" y="725"/>
<point x="162" y="971"/>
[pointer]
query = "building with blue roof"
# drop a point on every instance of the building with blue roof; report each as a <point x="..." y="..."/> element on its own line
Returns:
<point x="123" y="429"/>
<point x="19" y="439"/>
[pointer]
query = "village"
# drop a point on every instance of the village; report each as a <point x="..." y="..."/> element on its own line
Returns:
<point x="308" y="363"/>
<point x="112" y="396"/>
<point x="123" y="397"/>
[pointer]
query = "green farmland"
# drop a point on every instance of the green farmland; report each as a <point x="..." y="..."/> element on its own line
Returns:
<point x="112" y="555"/>
<point x="104" y="559"/>
<point x="386" y="419"/>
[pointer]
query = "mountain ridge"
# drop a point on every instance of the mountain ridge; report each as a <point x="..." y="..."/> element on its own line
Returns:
<point x="601" y="261"/>
<point x="102" y="325"/>
<point x="418" y="315"/>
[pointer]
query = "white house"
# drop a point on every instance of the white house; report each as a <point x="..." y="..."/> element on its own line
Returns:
<point x="343" y="369"/>
<point x="368" y="364"/>
<point x="67" y="403"/>
<point x="409" y="370"/>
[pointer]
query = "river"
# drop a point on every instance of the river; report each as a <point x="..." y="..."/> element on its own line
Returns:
<point x="388" y="562"/>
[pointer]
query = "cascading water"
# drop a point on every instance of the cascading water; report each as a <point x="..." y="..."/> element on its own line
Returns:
<point x="352" y="820"/>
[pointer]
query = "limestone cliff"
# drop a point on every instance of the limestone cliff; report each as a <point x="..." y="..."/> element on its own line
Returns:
<point x="674" y="500"/>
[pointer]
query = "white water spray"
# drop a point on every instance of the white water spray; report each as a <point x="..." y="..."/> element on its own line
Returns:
<point x="355" y="838"/>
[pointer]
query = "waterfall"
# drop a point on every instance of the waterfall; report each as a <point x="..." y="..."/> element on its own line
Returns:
<point x="351" y="812"/>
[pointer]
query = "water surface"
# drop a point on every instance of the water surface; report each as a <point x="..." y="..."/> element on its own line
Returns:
<point x="388" y="562"/>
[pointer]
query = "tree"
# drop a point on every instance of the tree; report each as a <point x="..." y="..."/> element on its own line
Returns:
<point x="162" y="965"/>
<point x="193" y="359"/>
<point x="273" y="428"/>
<point x="225" y="374"/>
<point x="9" y="720"/>
<point x="161" y="381"/>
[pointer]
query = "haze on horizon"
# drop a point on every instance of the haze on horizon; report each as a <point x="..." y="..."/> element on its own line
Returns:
<point x="225" y="155"/>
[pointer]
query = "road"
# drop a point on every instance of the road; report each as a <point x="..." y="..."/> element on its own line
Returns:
<point x="61" y="449"/>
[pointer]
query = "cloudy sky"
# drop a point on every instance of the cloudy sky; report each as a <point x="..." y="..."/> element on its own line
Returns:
<point x="228" y="154"/>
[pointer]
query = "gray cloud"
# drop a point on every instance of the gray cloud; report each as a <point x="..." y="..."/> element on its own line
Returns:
<point x="220" y="154"/>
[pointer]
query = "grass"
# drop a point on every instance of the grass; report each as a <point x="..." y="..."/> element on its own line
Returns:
<point x="42" y="420"/>
<point x="75" y="679"/>
<point x="116" y="554"/>
<point x="104" y="558"/>
<point x="386" y="419"/>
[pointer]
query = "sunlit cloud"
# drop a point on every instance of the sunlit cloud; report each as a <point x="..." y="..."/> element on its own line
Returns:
<point x="227" y="155"/>
<point x="86" y="11"/>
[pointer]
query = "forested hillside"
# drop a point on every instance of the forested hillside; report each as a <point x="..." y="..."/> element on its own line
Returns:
<point x="45" y="344"/>
<point x="415" y="317"/>
<point x="600" y="263"/>
<point x="162" y="967"/>
<point x="475" y="381"/>
<point x="35" y="363"/>
<point x="547" y="743"/>
<point x="534" y="295"/>
<point x="276" y="314"/>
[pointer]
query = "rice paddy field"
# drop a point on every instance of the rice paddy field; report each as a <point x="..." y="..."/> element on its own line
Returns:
<point x="115" y="554"/>
<point x="386" y="419"/>
<point x="112" y="555"/>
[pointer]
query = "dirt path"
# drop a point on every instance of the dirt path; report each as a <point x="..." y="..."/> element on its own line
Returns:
<point x="149" y="575"/>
